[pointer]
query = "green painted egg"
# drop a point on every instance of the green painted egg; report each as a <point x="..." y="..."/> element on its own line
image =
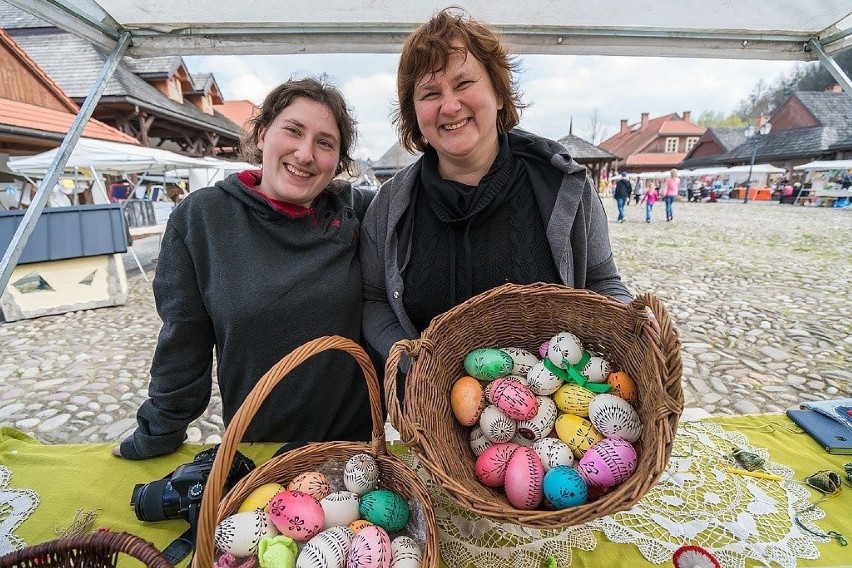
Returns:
<point x="488" y="363"/>
<point x="384" y="508"/>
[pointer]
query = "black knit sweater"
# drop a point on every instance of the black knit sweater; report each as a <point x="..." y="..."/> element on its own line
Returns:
<point x="255" y="283"/>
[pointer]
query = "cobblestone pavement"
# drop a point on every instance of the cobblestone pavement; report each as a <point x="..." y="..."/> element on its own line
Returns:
<point x="761" y="294"/>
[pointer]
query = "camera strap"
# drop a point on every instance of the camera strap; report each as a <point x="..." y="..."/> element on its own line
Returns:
<point x="180" y="547"/>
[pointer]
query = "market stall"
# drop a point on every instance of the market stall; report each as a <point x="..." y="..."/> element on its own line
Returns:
<point x="829" y="182"/>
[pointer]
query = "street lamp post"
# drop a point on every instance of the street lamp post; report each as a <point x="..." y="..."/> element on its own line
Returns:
<point x="751" y="135"/>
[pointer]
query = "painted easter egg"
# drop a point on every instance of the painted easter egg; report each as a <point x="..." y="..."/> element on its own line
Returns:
<point x="577" y="433"/>
<point x="385" y="508"/>
<point x="341" y="508"/>
<point x="553" y="452"/>
<point x="595" y="490"/>
<point x="541" y="381"/>
<point x="297" y="515"/>
<point x="613" y="416"/>
<point x="356" y="526"/>
<point x="488" y="363"/>
<point x="260" y="497"/>
<point x="489" y="389"/>
<point x="326" y="550"/>
<point x="361" y="474"/>
<point x="542" y="349"/>
<point x="491" y="466"/>
<point x="623" y="386"/>
<point x="496" y="426"/>
<point x="467" y="400"/>
<point x="515" y="399"/>
<point x="563" y="487"/>
<point x="523" y="360"/>
<point x="573" y="399"/>
<point x="597" y="369"/>
<point x="524" y="477"/>
<point x="609" y="462"/>
<point x="313" y="483"/>
<point x="478" y="442"/>
<point x="371" y="548"/>
<point x="240" y="533"/>
<point x="405" y="553"/>
<point x="564" y="346"/>
<point x="541" y="424"/>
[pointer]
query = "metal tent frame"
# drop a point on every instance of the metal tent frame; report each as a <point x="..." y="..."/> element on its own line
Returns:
<point x="802" y="30"/>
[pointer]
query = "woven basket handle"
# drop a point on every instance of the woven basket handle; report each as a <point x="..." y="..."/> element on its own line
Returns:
<point x="666" y="342"/>
<point x="237" y="428"/>
<point x="412" y="348"/>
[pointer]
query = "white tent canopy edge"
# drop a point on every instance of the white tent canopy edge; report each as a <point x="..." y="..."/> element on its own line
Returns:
<point x="793" y="29"/>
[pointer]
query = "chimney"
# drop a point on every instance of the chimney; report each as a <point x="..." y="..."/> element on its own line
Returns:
<point x="624" y="127"/>
<point x="645" y="120"/>
<point x="687" y="114"/>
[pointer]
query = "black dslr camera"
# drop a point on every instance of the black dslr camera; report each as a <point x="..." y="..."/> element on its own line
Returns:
<point x="178" y="495"/>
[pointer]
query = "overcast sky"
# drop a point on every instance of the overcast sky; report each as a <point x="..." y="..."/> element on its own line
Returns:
<point x="557" y="87"/>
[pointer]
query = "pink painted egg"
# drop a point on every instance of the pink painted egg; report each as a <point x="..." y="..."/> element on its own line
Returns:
<point x="296" y="514"/>
<point x="595" y="490"/>
<point x="609" y="462"/>
<point x="542" y="349"/>
<point x="515" y="399"/>
<point x="524" y="477"/>
<point x="371" y="548"/>
<point x="489" y="389"/>
<point x="313" y="483"/>
<point x="496" y="426"/>
<point x="491" y="465"/>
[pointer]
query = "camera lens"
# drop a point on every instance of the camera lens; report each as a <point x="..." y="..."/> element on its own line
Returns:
<point x="156" y="501"/>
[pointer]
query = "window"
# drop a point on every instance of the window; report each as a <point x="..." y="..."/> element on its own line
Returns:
<point x="671" y="145"/>
<point x="691" y="142"/>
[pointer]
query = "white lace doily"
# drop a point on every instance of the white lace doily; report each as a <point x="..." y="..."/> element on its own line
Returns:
<point x="733" y="516"/>
<point x="16" y="505"/>
<point x="470" y="540"/>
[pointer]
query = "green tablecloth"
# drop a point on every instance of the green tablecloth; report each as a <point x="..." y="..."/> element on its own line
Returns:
<point x="85" y="476"/>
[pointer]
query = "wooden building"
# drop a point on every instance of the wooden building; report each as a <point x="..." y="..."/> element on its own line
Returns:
<point x="653" y="144"/>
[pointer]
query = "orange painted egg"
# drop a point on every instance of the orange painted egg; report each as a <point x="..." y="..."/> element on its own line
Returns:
<point x="578" y="433"/>
<point x="573" y="399"/>
<point x="623" y="386"/>
<point x="313" y="483"/>
<point x="356" y="526"/>
<point x="467" y="400"/>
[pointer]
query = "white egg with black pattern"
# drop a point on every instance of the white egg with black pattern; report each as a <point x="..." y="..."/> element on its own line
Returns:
<point x="361" y="474"/>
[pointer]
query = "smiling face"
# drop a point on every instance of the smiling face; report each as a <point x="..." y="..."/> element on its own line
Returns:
<point x="456" y="110"/>
<point x="301" y="152"/>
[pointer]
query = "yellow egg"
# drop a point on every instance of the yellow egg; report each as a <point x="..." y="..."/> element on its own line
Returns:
<point x="258" y="499"/>
<point x="356" y="526"/>
<point x="623" y="386"/>
<point x="573" y="399"/>
<point x="577" y="433"/>
<point x="467" y="399"/>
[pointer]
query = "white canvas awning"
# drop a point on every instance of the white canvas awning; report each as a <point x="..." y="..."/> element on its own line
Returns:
<point x="823" y="165"/>
<point x="756" y="169"/>
<point x="748" y="29"/>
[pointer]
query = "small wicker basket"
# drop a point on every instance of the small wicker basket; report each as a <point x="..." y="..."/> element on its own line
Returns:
<point x="97" y="550"/>
<point x="627" y="335"/>
<point x="393" y="473"/>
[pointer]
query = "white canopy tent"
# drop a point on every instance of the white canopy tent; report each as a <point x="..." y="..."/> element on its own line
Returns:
<point x="823" y="165"/>
<point x="756" y="169"/>
<point x="746" y="29"/>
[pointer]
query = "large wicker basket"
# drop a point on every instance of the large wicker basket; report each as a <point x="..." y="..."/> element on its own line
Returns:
<point x="638" y="338"/>
<point x="393" y="473"/>
<point x="102" y="549"/>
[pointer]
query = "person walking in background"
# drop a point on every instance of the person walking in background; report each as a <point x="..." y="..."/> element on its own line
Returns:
<point x="622" y="195"/>
<point x="650" y="198"/>
<point x="670" y="189"/>
<point x="638" y="191"/>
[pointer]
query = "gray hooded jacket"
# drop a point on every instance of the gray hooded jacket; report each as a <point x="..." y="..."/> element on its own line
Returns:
<point x="576" y="230"/>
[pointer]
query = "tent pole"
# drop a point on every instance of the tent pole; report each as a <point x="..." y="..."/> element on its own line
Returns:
<point x="831" y="65"/>
<point x="25" y="229"/>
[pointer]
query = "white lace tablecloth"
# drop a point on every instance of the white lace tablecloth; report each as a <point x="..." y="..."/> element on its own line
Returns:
<point x="16" y="505"/>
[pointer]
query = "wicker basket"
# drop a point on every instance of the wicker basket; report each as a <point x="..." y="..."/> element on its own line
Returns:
<point x="393" y="473"/>
<point x="97" y="550"/>
<point x="646" y="347"/>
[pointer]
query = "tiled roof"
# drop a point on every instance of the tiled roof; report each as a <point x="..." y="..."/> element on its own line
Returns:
<point x="681" y="128"/>
<point x="201" y="81"/>
<point x="13" y="18"/>
<point x="74" y="65"/>
<point x="32" y="117"/>
<point x="581" y="150"/>
<point x="239" y="111"/>
<point x="844" y="144"/>
<point x="394" y="159"/>
<point x="830" y="109"/>
<point x="636" y="138"/>
<point x="728" y="136"/>
<point x="809" y="143"/>
<point x="165" y="66"/>
<point x="660" y="159"/>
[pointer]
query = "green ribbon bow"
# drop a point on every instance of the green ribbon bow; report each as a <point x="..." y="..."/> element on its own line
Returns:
<point x="572" y="374"/>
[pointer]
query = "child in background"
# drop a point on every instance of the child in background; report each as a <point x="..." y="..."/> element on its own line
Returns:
<point x="650" y="198"/>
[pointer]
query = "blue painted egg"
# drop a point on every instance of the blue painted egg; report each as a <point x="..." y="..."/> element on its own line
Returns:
<point x="385" y="508"/>
<point x="564" y="487"/>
